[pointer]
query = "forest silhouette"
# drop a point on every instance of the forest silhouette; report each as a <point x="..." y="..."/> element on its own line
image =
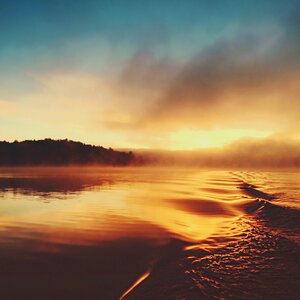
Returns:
<point x="59" y="153"/>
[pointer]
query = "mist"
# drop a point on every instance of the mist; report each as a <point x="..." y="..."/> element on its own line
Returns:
<point x="244" y="153"/>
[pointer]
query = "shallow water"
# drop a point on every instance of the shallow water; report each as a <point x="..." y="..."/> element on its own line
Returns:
<point x="92" y="233"/>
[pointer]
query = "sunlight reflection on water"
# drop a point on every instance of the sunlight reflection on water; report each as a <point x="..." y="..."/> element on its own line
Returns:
<point x="123" y="221"/>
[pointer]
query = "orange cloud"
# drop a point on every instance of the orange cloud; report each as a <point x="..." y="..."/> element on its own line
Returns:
<point x="246" y="85"/>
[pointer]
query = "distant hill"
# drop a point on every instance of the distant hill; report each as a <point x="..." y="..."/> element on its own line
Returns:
<point x="50" y="152"/>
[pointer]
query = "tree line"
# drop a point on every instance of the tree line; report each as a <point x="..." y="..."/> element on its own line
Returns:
<point x="59" y="153"/>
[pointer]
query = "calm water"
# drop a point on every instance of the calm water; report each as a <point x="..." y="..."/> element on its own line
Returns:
<point x="88" y="233"/>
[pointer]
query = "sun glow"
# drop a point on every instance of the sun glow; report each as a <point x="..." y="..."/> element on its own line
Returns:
<point x="191" y="139"/>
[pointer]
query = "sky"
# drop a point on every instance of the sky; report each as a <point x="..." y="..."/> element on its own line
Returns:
<point x="175" y="75"/>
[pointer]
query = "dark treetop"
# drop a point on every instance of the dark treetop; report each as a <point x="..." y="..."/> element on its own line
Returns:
<point x="50" y="152"/>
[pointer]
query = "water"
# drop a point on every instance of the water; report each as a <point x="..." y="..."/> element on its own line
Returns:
<point x="92" y="233"/>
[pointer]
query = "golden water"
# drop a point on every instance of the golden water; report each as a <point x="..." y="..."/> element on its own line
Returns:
<point x="141" y="233"/>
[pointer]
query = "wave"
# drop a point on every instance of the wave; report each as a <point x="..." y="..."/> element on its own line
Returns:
<point x="273" y="215"/>
<point x="256" y="260"/>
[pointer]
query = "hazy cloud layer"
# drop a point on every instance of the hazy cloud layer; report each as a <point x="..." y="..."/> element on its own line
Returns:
<point x="250" y="153"/>
<point x="251" y="79"/>
<point x="84" y="83"/>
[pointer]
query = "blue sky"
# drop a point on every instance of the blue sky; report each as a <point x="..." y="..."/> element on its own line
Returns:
<point x="31" y="27"/>
<point x="47" y="44"/>
<point x="39" y="34"/>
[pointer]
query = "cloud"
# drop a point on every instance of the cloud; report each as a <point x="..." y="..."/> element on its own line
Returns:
<point x="269" y="152"/>
<point x="273" y="152"/>
<point x="250" y="79"/>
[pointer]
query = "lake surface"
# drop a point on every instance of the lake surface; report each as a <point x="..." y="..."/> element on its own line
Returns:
<point x="100" y="233"/>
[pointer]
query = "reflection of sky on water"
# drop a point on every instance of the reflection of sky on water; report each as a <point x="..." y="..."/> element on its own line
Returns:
<point x="112" y="226"/>
<point x="100" y="207"/>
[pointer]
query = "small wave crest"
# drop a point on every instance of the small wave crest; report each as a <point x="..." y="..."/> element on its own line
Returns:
<point x="256" y="262"/>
